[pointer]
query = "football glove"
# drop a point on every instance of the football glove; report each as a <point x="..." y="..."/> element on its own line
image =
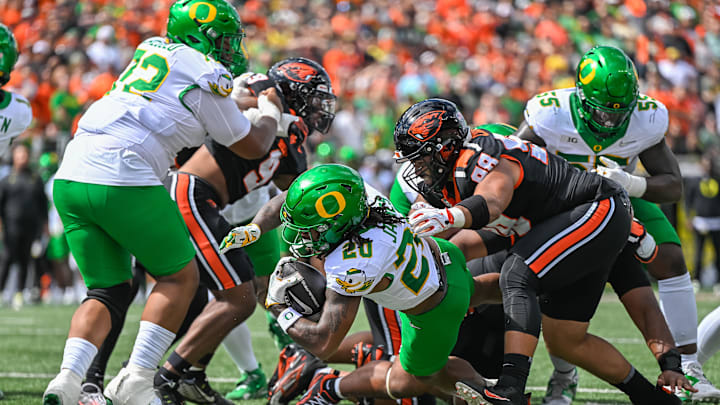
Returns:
<point x="431" y="221"/>
<point x="645" y="246"/>
<point x="280" y="280"/>
<point x="240" y="236"/>
<point x="634" y="185"/>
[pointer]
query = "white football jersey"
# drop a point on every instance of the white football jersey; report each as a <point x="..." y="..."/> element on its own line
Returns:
<point x="132" y="134"/>
<point x="15" y="117"/>
<point x="394" y="252"/>
<point x="549" y="115"/>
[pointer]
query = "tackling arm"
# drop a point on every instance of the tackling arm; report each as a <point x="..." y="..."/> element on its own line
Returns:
<point x="323" y="338"/>
<point x="665" y="182"/>
<point x="262" y="133"/>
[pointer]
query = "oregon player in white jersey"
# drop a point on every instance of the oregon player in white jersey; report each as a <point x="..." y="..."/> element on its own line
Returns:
<point x="604" y="124"/>
<point x="15" y="111"/>
<point x="367" y="249"/>
<point x="109" y="195"/>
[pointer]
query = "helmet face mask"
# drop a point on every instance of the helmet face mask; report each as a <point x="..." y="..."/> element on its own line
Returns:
<point x="429" y="134"/>
<point x="212" y="27"/>
<point x="307" y="90"/>
<point x="607" y="89"/>
<point x="321" y="206"/>
<point x="8" y="54"/>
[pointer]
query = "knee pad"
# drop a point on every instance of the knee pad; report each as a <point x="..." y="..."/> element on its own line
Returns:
<point x="117" y="299"/>
<point x="519" y="287"/>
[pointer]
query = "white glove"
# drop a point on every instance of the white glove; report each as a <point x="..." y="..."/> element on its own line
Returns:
<point x="645" y="245"/>
<point x="431" y="221"/>
<point x="240" y="236"/>
<point x="418" y="205"/>
<point x="280" y="282"/>
<point x="634" y="185"/>
<point x="284" y="124"/>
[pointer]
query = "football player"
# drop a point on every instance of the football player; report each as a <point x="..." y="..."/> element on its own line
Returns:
<point x="214" y="177"/>
<point x="109" y="186"/>
<point x="367" y="250"/>
<point x="605" y="124"/>
<point x="558" y="219"/>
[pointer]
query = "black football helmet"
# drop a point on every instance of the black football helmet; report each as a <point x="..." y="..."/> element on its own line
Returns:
<point x="307" y="91"/>
<point x="430" y="134"/>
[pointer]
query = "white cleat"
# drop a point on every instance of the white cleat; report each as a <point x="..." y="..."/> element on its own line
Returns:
<point x="132" y="386"/>
<point x="561" y="388"/>
<point x="64" y="389"/>
<point x="706" y="391"/>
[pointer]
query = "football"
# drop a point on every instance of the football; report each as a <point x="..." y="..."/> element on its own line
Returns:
<point x="308" y="296"/>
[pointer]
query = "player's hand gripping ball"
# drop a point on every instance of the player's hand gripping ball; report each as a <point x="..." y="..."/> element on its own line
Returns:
<point x="298" y="285"/>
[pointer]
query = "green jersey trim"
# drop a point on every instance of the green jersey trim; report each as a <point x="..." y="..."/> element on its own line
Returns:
<point x="182" y="94"/>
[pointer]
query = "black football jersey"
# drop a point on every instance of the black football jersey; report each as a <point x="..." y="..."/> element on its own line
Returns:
<point x="548" y="185"/>
<point x="286" y="156"/>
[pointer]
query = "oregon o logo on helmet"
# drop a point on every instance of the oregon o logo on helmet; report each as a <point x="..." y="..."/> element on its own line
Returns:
<point x="320" y="208"/>
<point x="211" y="12"/>
<point x="588" y="77"/>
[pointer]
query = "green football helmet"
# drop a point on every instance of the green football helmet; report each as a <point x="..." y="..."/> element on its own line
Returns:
<point x="8" y="54"/>
<point x="322" y="205"/>
<point x="607" y="88"/>
<point x="212" y="27"/>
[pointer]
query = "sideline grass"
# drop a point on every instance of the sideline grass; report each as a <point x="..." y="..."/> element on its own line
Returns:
<point x="31" y="344"/>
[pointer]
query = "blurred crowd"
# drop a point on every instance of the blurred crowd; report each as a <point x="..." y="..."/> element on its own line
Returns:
<point x="382" y="55"/>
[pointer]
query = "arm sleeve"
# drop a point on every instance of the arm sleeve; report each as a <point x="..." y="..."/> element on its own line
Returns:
<point x="220" y="116"/>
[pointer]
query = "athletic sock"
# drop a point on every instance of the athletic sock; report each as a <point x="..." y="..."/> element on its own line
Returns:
<point x="515" y="370"/>
<point x="561" y="366"/>
<point x="238" y="344"/>
<point x="709" y="336"/>
<point x="635" y="386"/>
<point x="78" y="355"/>
<point x="150" y="345"/>
<point x="677" y="301"/>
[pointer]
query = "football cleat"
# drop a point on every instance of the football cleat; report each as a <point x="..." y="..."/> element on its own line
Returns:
<point x="363" y="353"/>
<point x="91" y="394"/>
<point x="319" y="392"/>
<point x="195" y="387"/>
<point x="133" y="385"/>
<point x="474" y="394"/>
<point x="167" y="394"/>
<point x="706" y="391"/>
<point x="293" y="374"/>
<point x="561" y="388"/>
<point x="252" y="384"/>
<point x="64" y="389"/>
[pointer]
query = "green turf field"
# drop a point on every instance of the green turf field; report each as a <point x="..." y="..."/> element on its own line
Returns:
<point x="31" y="344"/>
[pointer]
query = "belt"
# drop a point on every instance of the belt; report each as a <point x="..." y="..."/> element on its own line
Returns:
<point x="441" y="258"/>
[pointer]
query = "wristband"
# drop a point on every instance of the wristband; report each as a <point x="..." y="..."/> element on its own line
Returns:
<point x="268" y="108"/>
<point x="637" y="186"/>
<point x="287" y="318"/>
<point x="457" y="217"/>
<point x="477" y="205"/>
<point x="670" y="360"/>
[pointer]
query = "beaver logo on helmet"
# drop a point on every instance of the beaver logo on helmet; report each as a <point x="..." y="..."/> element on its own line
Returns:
<point x="427" y="125"/>
<point x="298" y="72"/>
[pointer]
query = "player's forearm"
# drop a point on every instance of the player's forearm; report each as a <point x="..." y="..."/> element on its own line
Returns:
<point x="641" y="305"/>
<point x="319" y="338"/>
<point x="663" y="188"/>
<point x="268" y="217"/>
